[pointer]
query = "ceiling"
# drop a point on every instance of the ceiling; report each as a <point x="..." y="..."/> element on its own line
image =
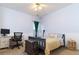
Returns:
<point x="27" y="7"/>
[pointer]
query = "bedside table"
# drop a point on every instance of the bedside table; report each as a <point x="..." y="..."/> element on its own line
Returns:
<point x="71" y="44"/>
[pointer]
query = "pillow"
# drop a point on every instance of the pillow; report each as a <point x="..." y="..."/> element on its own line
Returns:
<point x="54" y="35"/>
<point x="59" y="35"/>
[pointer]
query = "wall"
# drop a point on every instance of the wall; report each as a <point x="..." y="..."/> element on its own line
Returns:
<point x="65" y="20"/>
<point x="16" y="21"/>
<point x="1" y="17"/>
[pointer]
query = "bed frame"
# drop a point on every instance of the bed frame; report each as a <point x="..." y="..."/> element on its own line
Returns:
<point x="42" y="42"/>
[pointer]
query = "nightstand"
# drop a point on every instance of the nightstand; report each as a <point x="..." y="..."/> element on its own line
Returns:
<point x="71" y="44"/>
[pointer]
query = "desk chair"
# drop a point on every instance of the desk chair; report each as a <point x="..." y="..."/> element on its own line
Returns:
<point x="16" y="40"/>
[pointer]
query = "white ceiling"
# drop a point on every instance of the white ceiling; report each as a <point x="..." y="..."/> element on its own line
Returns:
<point x="27" y="7"/>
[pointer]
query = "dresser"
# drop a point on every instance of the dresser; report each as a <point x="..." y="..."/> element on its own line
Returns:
<point x="41" y="43"/>
<point x="4" y="41"/>
<point x="31" y="47"/>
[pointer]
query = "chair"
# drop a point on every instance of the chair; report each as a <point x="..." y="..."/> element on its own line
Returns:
<point x="16" y="40"/>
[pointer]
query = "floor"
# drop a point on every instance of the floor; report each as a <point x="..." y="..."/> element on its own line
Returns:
<point x="65" y="51"/>
<point x="16" y="51"/>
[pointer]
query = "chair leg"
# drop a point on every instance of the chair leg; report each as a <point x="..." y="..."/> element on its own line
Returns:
<point x="18" y="45"/>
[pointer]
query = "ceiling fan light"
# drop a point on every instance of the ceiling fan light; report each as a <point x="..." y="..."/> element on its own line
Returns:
<point x="34" y="6"/>
<point x="35" y="9"/>
<point x="40" y="7"/>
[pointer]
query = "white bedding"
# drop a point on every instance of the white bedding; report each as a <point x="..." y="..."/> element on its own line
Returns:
<point x="51" y="44"/>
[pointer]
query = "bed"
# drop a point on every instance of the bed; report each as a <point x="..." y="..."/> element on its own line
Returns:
<point x="50" y="43"/>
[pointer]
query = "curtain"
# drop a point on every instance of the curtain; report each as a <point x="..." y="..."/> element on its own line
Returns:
<point x="36" y="23"/>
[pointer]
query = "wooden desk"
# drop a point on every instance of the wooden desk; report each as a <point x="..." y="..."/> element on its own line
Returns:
<point x="4" y="41"/>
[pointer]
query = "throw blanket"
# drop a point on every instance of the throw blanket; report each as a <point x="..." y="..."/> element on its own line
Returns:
<point x="51" y="44"/>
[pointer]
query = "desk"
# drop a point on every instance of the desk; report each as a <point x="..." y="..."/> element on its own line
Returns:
<point x="4" y="41"/>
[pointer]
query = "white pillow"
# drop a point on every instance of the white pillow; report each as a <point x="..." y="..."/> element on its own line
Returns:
<point x="52" y="35"/>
